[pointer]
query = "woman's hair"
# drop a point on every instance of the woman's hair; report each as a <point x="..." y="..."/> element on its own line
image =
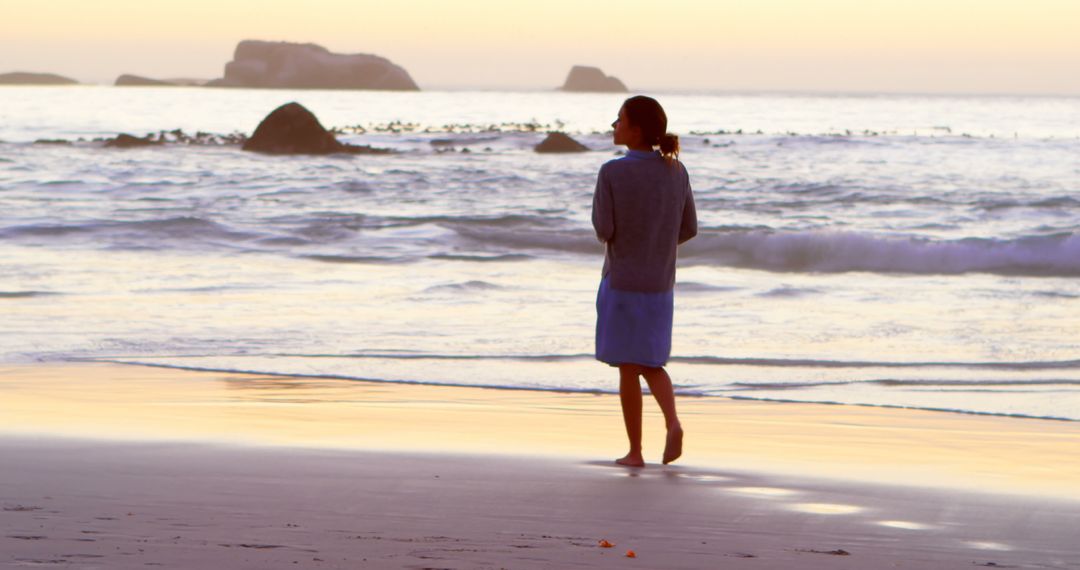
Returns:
<point x="646" y="114"/>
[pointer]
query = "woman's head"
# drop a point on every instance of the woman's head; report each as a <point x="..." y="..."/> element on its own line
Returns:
<point x="642" y="122"/>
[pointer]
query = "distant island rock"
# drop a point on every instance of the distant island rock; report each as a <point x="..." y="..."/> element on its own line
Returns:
<point x="127" y="80"/>
<point x="309" y="66"/>
<point x="560" y="142"/>
<point x="292" y="129"/>
<point x="24" y="78"/>
<point x="186" y="81"/>
<point x="587" y="79"/>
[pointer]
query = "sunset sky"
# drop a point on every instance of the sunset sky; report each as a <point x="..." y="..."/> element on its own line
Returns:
<point x="933" y="46"/>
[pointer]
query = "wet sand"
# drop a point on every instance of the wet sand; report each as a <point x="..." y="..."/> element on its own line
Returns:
<point x="111" y="466"/>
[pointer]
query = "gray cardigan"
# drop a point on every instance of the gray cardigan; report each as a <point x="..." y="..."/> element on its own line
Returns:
<point x="643" y="208"/>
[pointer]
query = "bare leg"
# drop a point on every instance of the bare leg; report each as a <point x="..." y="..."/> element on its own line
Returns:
<point x="661" y="388"/>
<point x="630" y="395"/>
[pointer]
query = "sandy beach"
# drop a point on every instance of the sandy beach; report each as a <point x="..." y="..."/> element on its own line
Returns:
<point x="109" y="466"/>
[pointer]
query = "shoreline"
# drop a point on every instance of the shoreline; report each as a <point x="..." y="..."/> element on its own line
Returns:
<point x="128" y="466"/>
<point x="595" y="392"/>
<point x="899" y="446"/>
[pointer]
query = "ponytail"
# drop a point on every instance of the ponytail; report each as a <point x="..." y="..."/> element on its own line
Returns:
<point x="669" y="147"/>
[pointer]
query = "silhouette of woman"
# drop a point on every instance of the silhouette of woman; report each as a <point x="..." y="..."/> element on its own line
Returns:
<point x="643" y="208"/>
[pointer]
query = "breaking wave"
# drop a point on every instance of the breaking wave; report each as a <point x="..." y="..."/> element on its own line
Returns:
<point x="837" y="252"/>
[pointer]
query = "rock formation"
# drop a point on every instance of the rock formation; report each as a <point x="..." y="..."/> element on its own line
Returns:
<point x="292" y="129"/>
<point x="560" y="142"/>
<point x="137" y="81"/>
<point x="24" y="78"/>
<point x="590" y="79"/>
<point x="124" y="140"/>
<point x="309" y="66"/>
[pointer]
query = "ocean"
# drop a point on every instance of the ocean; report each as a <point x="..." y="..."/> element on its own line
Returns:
<point x="908" y="251"/>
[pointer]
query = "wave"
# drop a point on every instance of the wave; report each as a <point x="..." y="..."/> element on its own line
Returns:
<point x="481" y="258"/>
<point x="25" y="294"/>
<point x="903" y="407"/>
<point x="463" y="287"/>
<point x="329" y="225"/>
<point x="893" y="383"/>
<point x="361" y="378"/>
<point x="1056" y="295"/>
<point x="680" y="390"/>
<point x="1030" y="365"/>
<point x="559" y="239"/>
<point x="813" y="363"/>
<point x="790" y="292"/>
<point x="362" y="259"/>
<point x="1050" y="255"/>
<point x="174" y="228"/>
<point x="516" y="237"/>
<point x="1054" y="203"/>
<point x="807" y="196"/>
<point x="695" y="287"/>
<point x="1055" y="255"/>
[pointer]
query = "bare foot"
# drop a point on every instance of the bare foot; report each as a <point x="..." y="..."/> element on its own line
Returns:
<point x="631" y="460"/>
<point x="673" y="448"/>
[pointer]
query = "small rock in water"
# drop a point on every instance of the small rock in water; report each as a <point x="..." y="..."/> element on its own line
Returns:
<point x="292" y="129"/>
<point x="560" y="142"/>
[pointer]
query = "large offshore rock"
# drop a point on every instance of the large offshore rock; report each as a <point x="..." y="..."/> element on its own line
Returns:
<point x="309" y="66"/>
<point x="24" y="78"/>
<point x="590" y="79"/>
<point x="559" y="142"/>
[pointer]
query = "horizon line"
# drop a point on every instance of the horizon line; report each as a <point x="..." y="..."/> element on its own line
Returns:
<point x="667" y="90"/>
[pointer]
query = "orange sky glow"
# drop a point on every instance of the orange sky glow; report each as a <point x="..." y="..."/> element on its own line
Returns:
<point x="930" y="46"/>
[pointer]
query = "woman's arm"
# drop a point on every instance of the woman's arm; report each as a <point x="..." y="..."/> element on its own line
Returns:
<point x="688" y="227"/>
<point x="603" y="213"/>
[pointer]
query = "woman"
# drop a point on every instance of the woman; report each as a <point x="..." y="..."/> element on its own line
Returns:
<point x="643" y="209"/>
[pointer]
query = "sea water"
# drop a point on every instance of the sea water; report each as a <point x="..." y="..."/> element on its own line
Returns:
<point x="904" y="251"/>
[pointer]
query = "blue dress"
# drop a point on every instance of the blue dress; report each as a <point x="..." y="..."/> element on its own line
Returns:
<point x="633" y="327"/>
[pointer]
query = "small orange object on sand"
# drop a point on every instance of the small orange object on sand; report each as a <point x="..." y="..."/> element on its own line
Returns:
<point x="605" y="544"/>
<point x="631" y="554"/>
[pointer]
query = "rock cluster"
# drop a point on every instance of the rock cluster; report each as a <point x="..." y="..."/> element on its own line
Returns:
<point x="124" y="140"/>
<point x="160" y="138"/>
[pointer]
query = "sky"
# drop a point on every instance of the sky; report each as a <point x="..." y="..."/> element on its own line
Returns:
<point x="888" y="46"/>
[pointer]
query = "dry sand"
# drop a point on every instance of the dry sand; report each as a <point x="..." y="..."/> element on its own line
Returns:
<point x="105" y="466"/>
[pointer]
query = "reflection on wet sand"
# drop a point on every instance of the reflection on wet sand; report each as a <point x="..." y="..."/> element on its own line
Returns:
<point x="727" y="437"/>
